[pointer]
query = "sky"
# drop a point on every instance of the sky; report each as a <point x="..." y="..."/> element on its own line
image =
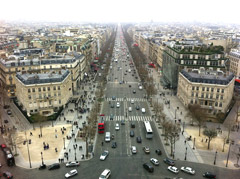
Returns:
<point x="213" y="11"/>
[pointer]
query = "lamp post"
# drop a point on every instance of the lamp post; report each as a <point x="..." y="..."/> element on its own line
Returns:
<point x="75" y="154"/>
<point x="29" y="157"/>
<point x="183" y="126"/>
<point x="185" y="154"/>
<point x="215" y="158"/>
<point x="176" y="112"/>
<point x="42" y="158"/>
<point x="64" y="143"/>
<point x="229" y="152"/>
<point x="194" y="143"/>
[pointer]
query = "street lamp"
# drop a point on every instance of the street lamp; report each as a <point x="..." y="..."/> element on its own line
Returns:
<point x="64" y="143"/>
<point x="214" y="163"/>
<point x="29" y="158"/>
<point x="194" y="143"/>
<point x="183" y="126"/>
<point x="176" y="112"/>
<point x="42" y="158"/>
<point x="75" y="154"/>
<point x="231" y="143"/>
<point x="185" y="154"/>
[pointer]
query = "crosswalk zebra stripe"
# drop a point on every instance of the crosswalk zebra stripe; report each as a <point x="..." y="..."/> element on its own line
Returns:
<point x="129" y="118"/>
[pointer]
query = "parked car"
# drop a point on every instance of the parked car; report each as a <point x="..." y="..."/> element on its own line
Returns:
<point x="114" y="144"/>
<point x="188" y="170"/>
<point x="169" y="161"/>
<point x="105" y="174"/>
<point x="148" y="167"/>
<point x="146" y="150"/>
<point x="143" y="110"/>
<point x="71" y="173"/>
<point x="131" y="133"/>
<point x="41" y="167"/>
<point x="54" y="166"/>
<point x="134" y="91"/>
<point x="158" y="151"/>
<point x="140" y="87"/>
<point x="104" y="155"/>
<point x="113" y="97"/>
<point x="137" y="107"/>
<point x="173" y="169"/>
<point x="130" y="109"/>
<point x="134" y="149"/>
<point x="117" y="127"/>
<point x="209" y="175"/>
<point x="5" y="121"/>
<point x="9" y="112"/>
<point x="139" y="139"/>
<point x="7" y="175"/>
<point x="154" y="161"/>
<point x="132" y="125"/>
<point x="72" y="164"/>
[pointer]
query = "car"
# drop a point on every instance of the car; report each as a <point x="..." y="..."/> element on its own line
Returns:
<point x="113" y="97"/>
<point x="146" y="150"/>
<point x="173" y="169"/>
<point x="118" y="105"/>
<point x="114" y="144"/>
<point x="9" y="112"/>
<point x="111" y="116"/>
<point x="105" y="174"/>
<point x="136" y="77"/>
<point x="188" y="170"/>
<point x="112" y="105"/>
<point x="120" y="82"/>
<point x="139" y="139"/>
<point x="122" y="122"/>
<point x="102" y="114"/>
<point x="132" y="101"/>
<point x="131" y="133"/>
<point x="140" y="87"/>
<point x="148" y="167"/>
<point x="3" y="146"/>
<point x="132" y="125"/>
<point x="125" y="73"/>
<point x="209" y="175"/>
<point x="54" y="166"/>
<point x="6" y="106"/>
<point x="130" y="109"/>
<point x="42" y="166"/>
<point x="158" y="151"/>
<point x="154" y="161"/>
<point x="169" y="161"/>
<point x="130" y="86"/>
<point x="71" y="173"/>
<point x="134" y="149"/>
<point x="143" y="110"/>
<point x="72" y="164"/>
<point x="137" y="107"/>
<point x="5" y="121"/>
<point x="7" y="175"/>
<point x="117" y="127"/>
<point x="134" y="91"/>
<point x="104" y="155"/>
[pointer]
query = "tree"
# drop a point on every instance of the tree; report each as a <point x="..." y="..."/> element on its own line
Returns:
<point x="14" y="139"/>
<point x="39" y="119"/>
<point x="198" y="114"/>
<point x="210" y="133"/>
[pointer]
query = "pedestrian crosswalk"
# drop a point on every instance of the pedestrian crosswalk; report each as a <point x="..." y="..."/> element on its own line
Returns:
<point x="129" y="118"/>
<point x="127" y="99"/>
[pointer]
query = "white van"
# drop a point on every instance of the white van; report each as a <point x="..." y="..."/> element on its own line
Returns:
<point x="107" y="137"/>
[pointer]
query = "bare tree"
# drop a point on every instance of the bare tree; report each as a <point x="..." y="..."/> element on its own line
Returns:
<point x="198" y="114"/>
<point x="210" y="133"/>
<point x="39" y="119"/>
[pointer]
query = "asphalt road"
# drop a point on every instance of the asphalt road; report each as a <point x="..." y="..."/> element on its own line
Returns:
<point x="122" y="163"/>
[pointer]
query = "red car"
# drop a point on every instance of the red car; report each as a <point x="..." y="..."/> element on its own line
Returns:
<point x="102" y="114"/>
<point x="3" y="146"/>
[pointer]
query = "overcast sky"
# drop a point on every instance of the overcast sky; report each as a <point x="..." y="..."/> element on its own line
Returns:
<point x="227" y="11"/>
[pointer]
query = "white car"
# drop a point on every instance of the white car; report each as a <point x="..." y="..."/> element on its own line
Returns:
<point x="118" y="105"/>
<point x="72" y="164"/>
<point x="154" y="161"/>
<point x="173" y="169"/>
<point x="104" y="155"/>
<point x="105" y="174"/>
<point x="132" y="101"/>
<point x="71" y="173"/>
<point x="134" y="149"/>
<point x="188" y="170"/>
<point x="143" y="110"/>
<point x="117" y="127"/>
<point x="140" y="87"/>
<point x="130" y="109"/>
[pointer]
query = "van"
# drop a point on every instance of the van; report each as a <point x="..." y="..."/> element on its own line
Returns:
<point x="148" y="167"/>
<point x="107" y="137"/>
<point x="54" y="166"/>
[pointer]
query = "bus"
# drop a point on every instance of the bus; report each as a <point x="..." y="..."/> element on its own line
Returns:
<point x="101" y="126"/>
<point x="148" y="129"/>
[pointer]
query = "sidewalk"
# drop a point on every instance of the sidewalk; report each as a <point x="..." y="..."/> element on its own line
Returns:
<point x="194" y="155"/>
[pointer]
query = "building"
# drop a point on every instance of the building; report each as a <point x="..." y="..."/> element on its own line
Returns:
<point x="177" y="56"/>
<point x="213" y="90"/>
<point x="75" y="63"/>
<point x="43" y="93"/>
<point x="234" y="58"/>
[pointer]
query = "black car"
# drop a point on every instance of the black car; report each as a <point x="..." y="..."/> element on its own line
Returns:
<point x="130" y="86"/>
<point x="131" y="133"/>
<point x="122" y="122"/>
<point x="41" y="167"/>
<point x="114" y="145"/>
<point x="148" y="167"/>
<point x="139" y="139"/>
<point x="158" y="151"/>
<point x="134" y="91"/>
<point x="132" y="125"/>
<point x="5" y="121"/>
<point x="209" y="175"/>
<point x="113" y="97"/>
<point x="54" y="166"/>
<point x="137" y="107"/>
<point x="169" y="161"/>
<point x="111" y="117"/>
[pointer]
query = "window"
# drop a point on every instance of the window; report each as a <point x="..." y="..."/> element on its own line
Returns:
<point x="55" y="94"/>
<point x="48" y="88"/>
<point x="59" y="101"/>
<point x="196" y="94"/>
<point x="40" y="96"/>
<point x="221" y="97"/>
<point x="203" y="88"/>
<point x="29" y="97"/>
<point x="222" y="90"/>
<point x="197" y="88"/>
<point x="211" y="96"/>
<point x="191" y="101"/>
<point x="44" y="88"/>
<point x="54" y="88"/>
<point x="201" y="103"/>
<point x="216" y="104"/>
<point x="207" y="95"/>
<point x="50" y="66"/>
<point x="33" y="89"/>
<point x="202" y="95"/>
<point x="29" y="90"/>
<point x="207" y="88"/>
<point x="210" y="103"/>
<point x="39" y="89"/>
<point x="212" y="89"/>
<point x="58" y="87"/>
<point x="220" y="104"/>
<point x="217" y="96"/>
<point x="218" y="90"/>
<point x="59" y="94"/>
<point x="192" y="94"/>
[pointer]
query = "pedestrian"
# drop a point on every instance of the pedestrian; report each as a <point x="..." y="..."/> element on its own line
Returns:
<point x="202" y="139"/>
<point x="69" y="150"/>
<point x="67" y="158"/>
<point x="39" y="135"/>
<point x="55" y="135"/>
<point x="92" y="153"/>
<point x="76" y="145"/>
<point x="59" y="160"/>
<point x="55" y="130"/>
<point x="206" y="140"/>
<point x="31" y="134"/>
<point x="185" y="142"/>
<point x="102" y="143"/>
<point x="79" y="147"/>
<point x="182" y="132"/>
